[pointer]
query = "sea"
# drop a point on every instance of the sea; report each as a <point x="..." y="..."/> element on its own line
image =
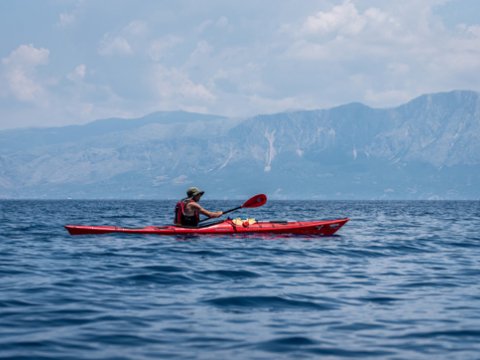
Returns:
<point x="401" y="280"/>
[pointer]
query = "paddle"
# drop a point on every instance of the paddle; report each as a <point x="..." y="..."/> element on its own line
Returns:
<point x="253" y="202"/>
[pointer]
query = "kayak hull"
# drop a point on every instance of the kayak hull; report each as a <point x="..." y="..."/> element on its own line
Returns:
<point x="227" y="227"/>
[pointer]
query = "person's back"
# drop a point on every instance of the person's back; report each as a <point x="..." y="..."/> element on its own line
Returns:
<point x="185" y="215"/>
<point x="188" y="210"/>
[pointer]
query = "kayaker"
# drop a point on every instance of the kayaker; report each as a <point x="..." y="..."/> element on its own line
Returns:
<point x="188" y="210"/>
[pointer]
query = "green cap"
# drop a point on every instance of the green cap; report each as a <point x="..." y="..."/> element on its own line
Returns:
<point x="194" y="191"/>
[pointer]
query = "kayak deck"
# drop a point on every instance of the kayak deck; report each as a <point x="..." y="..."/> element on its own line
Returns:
<point x="313" y="227"/>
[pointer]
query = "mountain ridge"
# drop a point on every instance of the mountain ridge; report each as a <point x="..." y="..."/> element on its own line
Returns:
<point x="427" y="148"/>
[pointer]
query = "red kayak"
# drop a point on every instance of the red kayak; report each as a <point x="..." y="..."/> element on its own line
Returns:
<point x="229" y="226"/>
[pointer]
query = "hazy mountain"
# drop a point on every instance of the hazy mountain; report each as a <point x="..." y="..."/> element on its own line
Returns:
<point x="427" y="148"/>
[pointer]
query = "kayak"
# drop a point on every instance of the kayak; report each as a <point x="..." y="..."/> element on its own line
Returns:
<point x="224" y="227"/>
<point x="314" y="227"/>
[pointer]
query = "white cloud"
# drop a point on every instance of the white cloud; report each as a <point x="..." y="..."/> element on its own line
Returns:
<point x="66" y="19"/>
<point x="69" y="18"/>
<point x="342" y="18"/>
<point x="50" y="100"/>
<point x="159" y="48"/>
<point x="385" y="54"/>
<point x="27" y="56"/>
<point x="474" y="30"/>
<point x="136" y="28"/>
<point x="350" y="43"/>
<point x="78" y="73"/>
<point x="201" y="56"/>
<point x="222" y="23"/>
<point x="173" y="85"/>
<point x="236" y="59"/>
<point x="180" y="180"/>
<point x="114" y="45"/>
<point x="122" y="43"/>
<point x="19" y="71"/>
<point x="345" y="23"/>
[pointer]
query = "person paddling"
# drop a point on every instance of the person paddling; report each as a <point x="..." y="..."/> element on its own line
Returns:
<point x="188" y="210"/>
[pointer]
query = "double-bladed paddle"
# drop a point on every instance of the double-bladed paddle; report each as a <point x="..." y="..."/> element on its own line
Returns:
<point x="253" y="202"/>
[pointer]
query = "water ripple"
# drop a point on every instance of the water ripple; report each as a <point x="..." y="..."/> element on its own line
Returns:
<point x="399" y="281"/>
<point x="271" y="303"/>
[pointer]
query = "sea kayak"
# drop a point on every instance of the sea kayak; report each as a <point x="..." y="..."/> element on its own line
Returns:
<point x="229" y="226"/>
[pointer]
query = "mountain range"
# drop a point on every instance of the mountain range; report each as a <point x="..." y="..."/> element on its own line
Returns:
<point x="428" y="148"/>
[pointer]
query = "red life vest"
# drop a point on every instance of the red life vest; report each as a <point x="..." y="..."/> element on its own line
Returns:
<point x="181" y="218"/>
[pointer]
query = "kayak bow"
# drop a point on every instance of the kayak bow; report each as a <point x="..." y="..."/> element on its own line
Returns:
<point x="313" y="227"/>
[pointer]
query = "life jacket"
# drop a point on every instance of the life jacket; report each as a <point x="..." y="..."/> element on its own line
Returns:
<point x="181" y="218"/>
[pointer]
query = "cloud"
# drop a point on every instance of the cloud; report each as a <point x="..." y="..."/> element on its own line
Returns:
<point x="69" y="18"/>
<point x="78" y="73"/>
<point x="201" y="56"/>
<point x="383" y="54"/>
<point x="27" y="56"/>
<point x="66" y="19"/>
<point x="473" y="30"/>
<point x="159" y="48"/>
<point x="114" y="45"/>
<point x="20" y="73"/>
<point x="238" y="59"/>
<point x="41" y="100"/>
<point x="173" y="83"/>
<point x="324" y="34"/>
<point x="222" y="23"/>
<point x="347" y="20"/>
<point x="136" y="28"/>
<point x="121" y="43"/>
<point x="342" y="18"/>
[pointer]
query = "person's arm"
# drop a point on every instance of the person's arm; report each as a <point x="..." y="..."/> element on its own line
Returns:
<point x="210" y="214"/>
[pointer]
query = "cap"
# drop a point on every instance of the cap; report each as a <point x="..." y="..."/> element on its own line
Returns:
<point x="194" y="191"/>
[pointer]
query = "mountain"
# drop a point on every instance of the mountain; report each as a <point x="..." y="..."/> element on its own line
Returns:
<point x="428" y="148"/>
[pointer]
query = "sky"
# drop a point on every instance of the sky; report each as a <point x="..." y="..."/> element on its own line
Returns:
<point x="65" y="62"/>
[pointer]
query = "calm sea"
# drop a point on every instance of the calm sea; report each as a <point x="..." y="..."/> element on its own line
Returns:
<point x="400" y="281"/>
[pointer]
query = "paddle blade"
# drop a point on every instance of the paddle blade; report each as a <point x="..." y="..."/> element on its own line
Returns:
<point x="255" y="201"/>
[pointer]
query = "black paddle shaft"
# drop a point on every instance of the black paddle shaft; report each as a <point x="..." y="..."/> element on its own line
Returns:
<point x="225" y="212"/>
<point x="255" y="201"/>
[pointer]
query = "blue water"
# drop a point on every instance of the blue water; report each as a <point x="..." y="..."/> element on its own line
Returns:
<point x="400" y="281"/>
